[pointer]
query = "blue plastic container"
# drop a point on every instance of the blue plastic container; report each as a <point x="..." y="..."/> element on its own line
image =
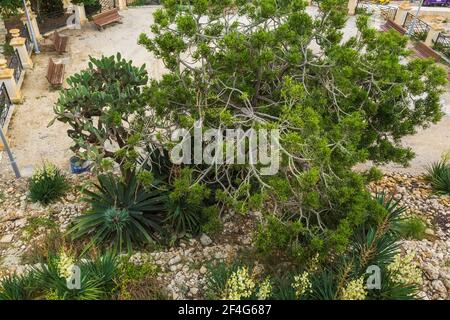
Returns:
<point x="77" y="166"/>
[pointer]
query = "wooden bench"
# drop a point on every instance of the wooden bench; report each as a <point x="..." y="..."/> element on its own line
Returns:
<point x="107" y="17"/>
<point x="390" y="24"/>
<point x="426" y="52"/>
<point x="60" y="42"/>
<point x="55" y="73"/>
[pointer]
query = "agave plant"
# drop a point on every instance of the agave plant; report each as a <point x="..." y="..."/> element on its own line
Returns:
<point x="122" y="213"/>
<point x="439" y="176"/>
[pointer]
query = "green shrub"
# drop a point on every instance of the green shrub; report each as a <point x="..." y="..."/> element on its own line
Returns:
<point x="48" y="245"/>
<point x="439" y="176"/>
<point x="283" y="288"/>
<point x="8" y="50"/>
<point x="185" y="203"/>
<point x="276" y="238"/>
<point x="47" y="184"/>
<point x="217" y="277"/>
<point x="138" y="282"/>
<point x="35" y="225"/>
<point x="122" y="213"/>
<point x="373" y="174"/>
<point x="374" y="242"/>
<point x="210" y="220"/>
<point x="412" y="228"/>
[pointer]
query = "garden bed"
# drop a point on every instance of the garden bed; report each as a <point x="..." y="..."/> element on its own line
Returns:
<point x="184" y="267"/>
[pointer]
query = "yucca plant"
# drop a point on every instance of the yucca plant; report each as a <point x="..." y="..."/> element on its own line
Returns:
<point x="49" y="281"/>
<point x="47" y="184"/>
<point x="18" y="287"/>
<point x="96" y="277"/>
<point x="123" y="213"/>
<point x="439" y="176"/>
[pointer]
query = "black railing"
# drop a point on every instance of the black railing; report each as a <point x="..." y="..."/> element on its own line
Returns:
<point x="93" y="8"/>
<point x="442" y="44"/>
<point x="25" y="33"/>
<point x="51" y="21"/>
<point x="16" y="64"/>
<point x="136" y="3"/>
<point x="5" y="104"/>
<point x="367" y="6"/>
<point x="419" y="30"/>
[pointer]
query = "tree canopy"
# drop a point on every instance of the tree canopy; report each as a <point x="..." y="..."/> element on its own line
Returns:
<point x="269" y="64"/>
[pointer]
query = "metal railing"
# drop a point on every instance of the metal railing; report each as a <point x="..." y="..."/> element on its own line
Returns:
<point x="420" y="29"/>
<point x="442" y="44"/>
<point x="51" y="21"/>
<point x="24" y="33"/>
<point x="5" y="104"/>
<point x="386" y="11"/>
<point x="143" y="2"/>
<point x="16" y="64"/>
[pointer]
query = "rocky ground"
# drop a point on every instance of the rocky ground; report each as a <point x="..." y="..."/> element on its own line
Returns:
<point x="183" y="267"/>
<point x="432" y="253"/>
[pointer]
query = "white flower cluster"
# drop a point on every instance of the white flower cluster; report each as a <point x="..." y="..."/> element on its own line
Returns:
<point x="355" y="290"/>
<point x="404" y="270"/>
<point x="302" y="284"/>
<point x="49" y="170"/>
<point x="264" y="289"/>
<point x="242" y="285"/>
<point x="65" y="263"/>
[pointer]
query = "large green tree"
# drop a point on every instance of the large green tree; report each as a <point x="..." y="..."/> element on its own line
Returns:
<point x="264" y="64"/>
<point x="270" y="64"/>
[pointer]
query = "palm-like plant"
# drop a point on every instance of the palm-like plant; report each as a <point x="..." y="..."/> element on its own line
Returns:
<point x="439" y="176"/>
<point x="18" y="287"/>
<point x="96" y="278"/>
<point x="49" y="281"/>
<point x="122" y="213"/>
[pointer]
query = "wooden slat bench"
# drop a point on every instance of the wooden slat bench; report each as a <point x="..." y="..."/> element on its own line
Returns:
<point x="426" y="52"/>
<point x="390" y="24"/>
<point x="60" y="42"/>
<point x="55" y="73"/>
<point x="107" y="17"/>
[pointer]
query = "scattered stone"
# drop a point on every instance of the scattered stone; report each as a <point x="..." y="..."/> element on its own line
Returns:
<point x="203" y="270"/>
<point x="7" y="238"/>
<point x="205" y="240"/>
<point x="193" y="291"/>
<point x="174" y="260"/>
